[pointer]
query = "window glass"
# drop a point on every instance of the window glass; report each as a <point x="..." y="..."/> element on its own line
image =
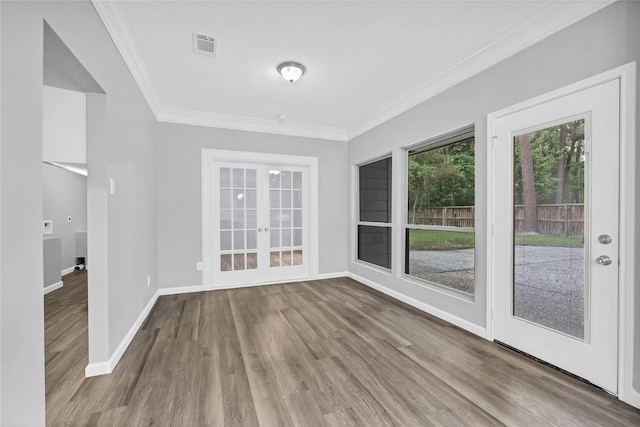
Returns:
<point x="375" y="191"/>
<point x="440" y="231"/>
<point x="374" y="230"/>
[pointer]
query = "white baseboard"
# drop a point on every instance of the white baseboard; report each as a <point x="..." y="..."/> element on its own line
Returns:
<point x="53" y="287"/>
<point x="102" y="368"/>
<point x="96" y="369"/>
<point x="455" y="320"/>
<point x="180" y="290"/>
<point x="67" y="270"/>
<point x="335" y="275"/>
<point x="632" y="398"/>
<point x="279" y="282"/>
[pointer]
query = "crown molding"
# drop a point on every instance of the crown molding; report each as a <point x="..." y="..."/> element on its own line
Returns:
<point x="109" y="12"/>
<point x="249" y="124"/>
<point x="551" y="19"/>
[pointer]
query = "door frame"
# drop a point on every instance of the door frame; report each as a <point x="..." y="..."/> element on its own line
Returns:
<point x="208" y="156"/>
<point x="627" y="76"/>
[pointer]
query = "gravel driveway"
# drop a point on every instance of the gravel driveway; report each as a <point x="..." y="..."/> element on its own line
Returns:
<point x="549" y="287"/>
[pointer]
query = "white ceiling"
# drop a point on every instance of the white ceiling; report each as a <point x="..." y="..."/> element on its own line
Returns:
<point x="366" y="61"/>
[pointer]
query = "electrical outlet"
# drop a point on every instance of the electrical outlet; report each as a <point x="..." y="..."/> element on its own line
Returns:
<point x="199" y="265"/>
<point x="148" y="280"/>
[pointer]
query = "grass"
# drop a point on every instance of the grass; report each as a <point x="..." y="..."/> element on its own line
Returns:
<point x="436" y="240"/>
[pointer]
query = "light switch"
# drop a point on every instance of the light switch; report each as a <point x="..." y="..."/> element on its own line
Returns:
<point x="112" y="186"/>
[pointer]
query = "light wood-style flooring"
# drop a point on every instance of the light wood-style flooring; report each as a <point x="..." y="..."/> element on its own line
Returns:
<point x="318" y="353"/>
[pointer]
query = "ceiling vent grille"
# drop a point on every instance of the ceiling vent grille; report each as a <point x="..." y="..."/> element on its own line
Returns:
<point x="204" y="44"/>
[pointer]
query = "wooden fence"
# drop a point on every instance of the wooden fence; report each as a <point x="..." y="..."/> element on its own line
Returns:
<point x="459" y="216"/>
<point x="559" y="220"/>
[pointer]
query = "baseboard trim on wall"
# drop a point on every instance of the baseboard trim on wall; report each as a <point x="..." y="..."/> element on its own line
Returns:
<point x="180" y="290"/>
<point x="337" y="274"/>
<point x="53" y="287"/>
<point x="102" y="368"/>
<point x="67" y="270"/>
<point x="454" y="320"/>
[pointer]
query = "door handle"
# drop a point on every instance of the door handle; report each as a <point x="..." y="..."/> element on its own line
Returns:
<point x="603" y="260"/>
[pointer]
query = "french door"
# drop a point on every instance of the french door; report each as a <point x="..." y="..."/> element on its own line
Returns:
<point x="259" y="223"/>
<point x="555" y="203"/>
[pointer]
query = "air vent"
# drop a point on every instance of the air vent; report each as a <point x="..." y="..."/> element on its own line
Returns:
<point x="204" y="44"/>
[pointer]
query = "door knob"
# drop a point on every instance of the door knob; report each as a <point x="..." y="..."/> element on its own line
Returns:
<point x="603" y="260"/>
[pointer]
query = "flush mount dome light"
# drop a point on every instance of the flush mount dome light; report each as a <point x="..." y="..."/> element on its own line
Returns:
<point x="291" y="71"/>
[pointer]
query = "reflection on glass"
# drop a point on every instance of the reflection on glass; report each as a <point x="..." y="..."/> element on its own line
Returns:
<point x="442" y="257"/>
<point x="225" y="262"/>
<point x="548" y="271"/>
<point x="252" y="261"/>
<point x="274" y="258"/>
<point x="297" y="257"/>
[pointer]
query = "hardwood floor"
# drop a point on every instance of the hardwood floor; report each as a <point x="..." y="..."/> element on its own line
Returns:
<point x="318" y="353"/>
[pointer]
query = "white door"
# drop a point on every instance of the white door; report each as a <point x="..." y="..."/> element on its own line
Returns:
<point x="259" y="223"/>
<point x="555" y="204"/>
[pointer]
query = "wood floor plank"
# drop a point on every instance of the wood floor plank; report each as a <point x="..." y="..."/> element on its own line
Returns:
<point x="317" y="353"/>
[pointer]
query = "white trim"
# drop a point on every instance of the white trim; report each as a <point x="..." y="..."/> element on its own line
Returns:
<point x="454" y="320"/>
<point x="180" y="290"/>
<point x="101" y="368"/>
<point x="249" y="124"/>
<point x="627" y="76"/>
<point x="109" y="12"/>
<point x="209" y="155"/>
<point x="550" y="20"/>
<point x="53" y="287"/>
<point x="335" y="275"/>
<point x="67" y="270"/>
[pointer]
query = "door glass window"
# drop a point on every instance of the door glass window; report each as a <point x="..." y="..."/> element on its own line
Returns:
<point x="238" y="226"/>
<point x="285" y="218"/>
<point x="549" y="220"/>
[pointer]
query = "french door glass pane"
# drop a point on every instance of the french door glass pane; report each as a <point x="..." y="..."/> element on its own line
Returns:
<point x="238" y="219"/>
<point x="549" y="194"/>
<point x="285" y="218"/>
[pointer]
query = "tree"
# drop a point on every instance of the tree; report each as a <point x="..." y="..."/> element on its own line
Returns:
<point x="560" y="187"/>
<point x="530" y="223"/>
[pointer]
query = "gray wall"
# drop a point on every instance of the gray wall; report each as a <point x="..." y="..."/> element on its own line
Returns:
<point x="179" y="207"/>
<point x="129" y="157"/>
<point x="603" y="41"/>
<point x="51" y="251"/>
<point x="64" y="194"/>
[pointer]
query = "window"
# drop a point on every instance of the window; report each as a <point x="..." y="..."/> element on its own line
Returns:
<point x="440" y="227"/>
<point x="374" y="222"/>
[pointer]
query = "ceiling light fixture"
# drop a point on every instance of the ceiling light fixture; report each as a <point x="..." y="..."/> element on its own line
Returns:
<point x="291" y="71"/>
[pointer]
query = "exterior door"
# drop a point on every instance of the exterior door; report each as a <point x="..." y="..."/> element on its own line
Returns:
<point x="555" y="203"/>
<point x="259" y="223"/>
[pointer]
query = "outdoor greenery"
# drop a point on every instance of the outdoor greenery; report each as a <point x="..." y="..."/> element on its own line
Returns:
<point x="549" y="169"/>
<point x="437" y="240"/>
<point x="558" y="164"/>
<point x="442" y="176"/>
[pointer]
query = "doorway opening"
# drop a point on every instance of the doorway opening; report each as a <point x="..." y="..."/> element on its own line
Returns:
<point x="73" y="162"/>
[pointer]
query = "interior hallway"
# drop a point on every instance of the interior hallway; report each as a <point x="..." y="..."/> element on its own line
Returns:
<point x="330" y="352"/>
